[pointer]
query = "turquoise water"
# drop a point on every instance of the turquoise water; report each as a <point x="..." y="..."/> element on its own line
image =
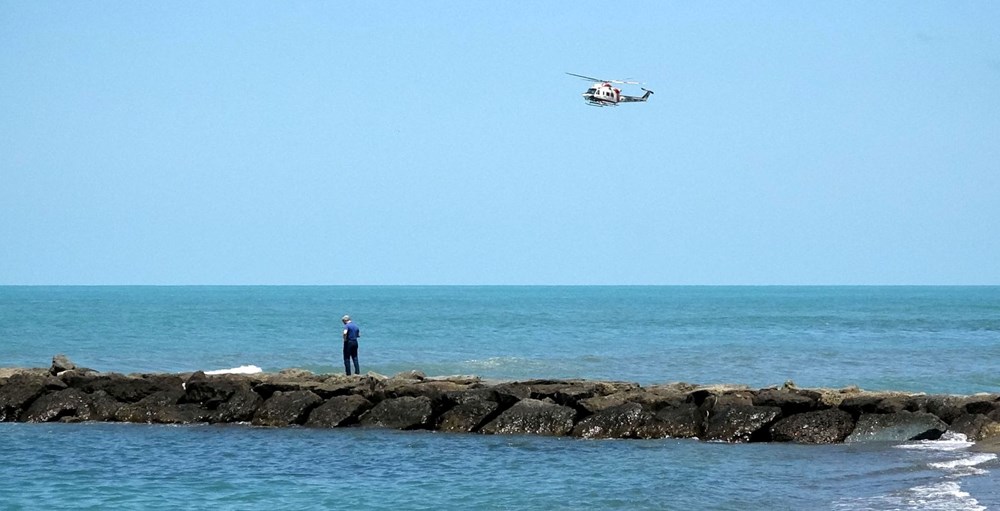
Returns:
<point x="937" y="339"/>
<point x="907" y="338"/>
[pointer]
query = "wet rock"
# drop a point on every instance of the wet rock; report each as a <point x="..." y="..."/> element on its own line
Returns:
<point x="161" y="408"/>
<point x="468" y="416"/>
<point x="818" y="427"/>
<point x="338" y="411"/>
<point x="102" y="407"/>
<point x="286" y="408"/>
<point x="211" y="391"/>
<point x="976" y="426"/>
<point x="948" y="408"/>
<point x="533" y="417"/>
<point x="741" y="423"/>
<point x="682" y="421"/>
<point x="897" y="427"/>
<point x="51" y="407"/>
<point x="401" y="413"/>
<point x="19" y="392"/>
<point x="629" y="420"/>
<point x="240" y="407"/>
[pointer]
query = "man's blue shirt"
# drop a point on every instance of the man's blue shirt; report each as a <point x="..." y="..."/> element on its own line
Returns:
<point x="352" y="331"/>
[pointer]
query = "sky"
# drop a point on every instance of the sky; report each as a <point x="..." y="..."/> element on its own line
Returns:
<point x="412" y="143"/>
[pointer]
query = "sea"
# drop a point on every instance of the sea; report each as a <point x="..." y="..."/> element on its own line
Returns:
<point x="937" y="340"/>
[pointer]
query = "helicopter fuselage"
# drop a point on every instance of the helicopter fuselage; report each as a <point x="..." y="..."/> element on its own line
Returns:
<point x="603" y="94"/>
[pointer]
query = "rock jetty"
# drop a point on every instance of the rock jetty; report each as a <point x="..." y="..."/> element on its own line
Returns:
<point x="468" y="404"/>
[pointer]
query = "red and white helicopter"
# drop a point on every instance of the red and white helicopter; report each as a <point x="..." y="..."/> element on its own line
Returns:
<point x="602" y="93"/>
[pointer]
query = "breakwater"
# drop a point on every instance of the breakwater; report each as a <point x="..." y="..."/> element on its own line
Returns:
<point x="468" y="404"/>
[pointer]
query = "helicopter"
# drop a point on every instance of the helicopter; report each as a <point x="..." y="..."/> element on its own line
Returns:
<point x="602" y="93"/>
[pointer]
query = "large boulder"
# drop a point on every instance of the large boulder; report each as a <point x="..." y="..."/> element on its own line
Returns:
<point x="401" y="413"/>
<point x="820" y="427"/>
<point x="212" y="391"/>
<point x="741" y="423"/>
<point x="629" y="420"/>
<point x="563" y="392"/>
<point x="685" y="420"/>
<point x="883" y="403"/>
<point x="533" y="417"/>
<point x="64" y="404"/>
<point x="652" y="398"/>
<point x="61" y="363"/>
<point x="21" y="389"/>
<point x="162" y="407"/>
<point x="897" y="427"/>
<point x="468" y="416"/>
<point x="125" y="389"/>
<point x="976" y="426"/>
<point x="790" y="401"/>
<point x="338" y="411"/>
<point x="286" y="408"/>
<point x="241" y="406"/>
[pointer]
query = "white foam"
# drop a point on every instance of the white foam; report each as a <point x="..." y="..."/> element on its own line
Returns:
<point x="247" y="369"/>
<point x="965" y="466"/>
<point x="945" y="495"/>
<point x="948" y="442"/>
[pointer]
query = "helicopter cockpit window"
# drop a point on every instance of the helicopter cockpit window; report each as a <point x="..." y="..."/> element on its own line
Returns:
<point x="591" y="91"/>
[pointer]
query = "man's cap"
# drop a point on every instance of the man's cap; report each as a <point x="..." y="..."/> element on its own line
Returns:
<point x="345" y="318"/>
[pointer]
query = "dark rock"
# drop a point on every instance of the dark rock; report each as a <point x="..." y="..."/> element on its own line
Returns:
<point x="975" y="426"/>
<point x="653" y="398"/>
<point x="212" y="391"/>
<point x="984" y="406"/>
<point x="338" y="411"/>
<point x="161" y="408"/>
<point x="18" y="393"/>
<point x="61" y="363"/>
<point x="240" y="407"/>
<point x="401" y="413"/>
<point x="682" y="421"/>
<point x="948" y="408"/>
<point x="629" y="420"/>
<point x="286" y="408"/>
<point x="534" y="417"/>
<point x="102" y="407"/>
<point x="741" y="423"/>
<point x="57" y="405"/>
<point x="818" y="427"/>
<point x="897" y="427"/>
<point x="125" y="389"/>
<point x="721" y="396"/>
<point x="563" y="392"/>
<point x="790" y="401"/>
<point x="468" y="416"/>
<point x="882" y="403"/>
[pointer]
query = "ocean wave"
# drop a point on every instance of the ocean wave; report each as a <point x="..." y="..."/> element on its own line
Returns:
<point x="950" y="441"/>
<point x="965" y="466"/>
<point x="246" y="369"/>
<point x="943" y="496"/>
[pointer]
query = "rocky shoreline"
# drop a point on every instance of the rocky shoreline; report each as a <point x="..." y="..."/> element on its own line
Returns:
<point x="468" y="404"/>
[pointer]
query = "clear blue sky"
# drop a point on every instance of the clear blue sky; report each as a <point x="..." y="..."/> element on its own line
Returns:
<point x="442" y="143"/>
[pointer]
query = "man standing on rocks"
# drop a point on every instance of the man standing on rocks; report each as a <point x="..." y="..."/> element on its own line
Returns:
<point x="351" y="334"/>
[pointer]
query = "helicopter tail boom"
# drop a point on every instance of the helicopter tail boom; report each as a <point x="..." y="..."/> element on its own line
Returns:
<point x="630" y="99"/>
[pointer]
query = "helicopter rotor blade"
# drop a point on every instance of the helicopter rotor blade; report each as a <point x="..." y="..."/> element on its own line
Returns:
<point x="591" y="78"/>
<point x="587" y="77"/>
